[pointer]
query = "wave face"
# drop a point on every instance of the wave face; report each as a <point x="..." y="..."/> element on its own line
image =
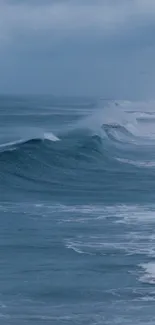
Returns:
<point x="82" y="150"/>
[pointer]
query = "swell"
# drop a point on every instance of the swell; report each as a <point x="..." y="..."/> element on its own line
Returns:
<point x="85" y="149"/>
<point x="95" y="165"/>
<point x="110" y="148"/>
<point x="16" y="145"/>
<point x="82" y="142"/>
<point x="43" y="166"/>
<point x="95" y="149"/>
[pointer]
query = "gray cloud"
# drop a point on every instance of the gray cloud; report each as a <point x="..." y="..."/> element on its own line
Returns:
<point x="105" y="16"/>
<point x="78" y="47"/>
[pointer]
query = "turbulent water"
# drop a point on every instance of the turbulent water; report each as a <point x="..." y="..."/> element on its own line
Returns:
<point x="77" y="211"/>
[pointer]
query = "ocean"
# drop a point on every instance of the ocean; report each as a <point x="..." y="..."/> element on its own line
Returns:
<point x="77" y="211"/>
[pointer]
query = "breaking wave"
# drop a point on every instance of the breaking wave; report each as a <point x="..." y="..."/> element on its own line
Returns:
<point x="119" y="138"/>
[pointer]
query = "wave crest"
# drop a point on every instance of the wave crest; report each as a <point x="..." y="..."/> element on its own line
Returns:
<point x="106" y="139"/>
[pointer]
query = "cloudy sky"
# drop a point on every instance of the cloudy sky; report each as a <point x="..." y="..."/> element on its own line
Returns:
<point x="78" y="47"/>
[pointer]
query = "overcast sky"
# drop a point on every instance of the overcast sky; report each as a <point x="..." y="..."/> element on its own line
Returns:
<point x="78" y="47"/>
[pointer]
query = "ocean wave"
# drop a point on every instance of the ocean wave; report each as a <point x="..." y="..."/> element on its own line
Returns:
<point x="13" y="145"/>
<point x="89" y="152"/>
<point x="148" y="275"/>
<point x="107" y="136"/>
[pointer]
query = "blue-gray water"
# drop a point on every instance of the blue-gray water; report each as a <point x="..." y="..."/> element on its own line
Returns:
<point x="77" y="211"/>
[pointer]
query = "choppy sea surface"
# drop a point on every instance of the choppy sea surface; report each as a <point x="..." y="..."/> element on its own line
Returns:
<point x="77" y="211"/>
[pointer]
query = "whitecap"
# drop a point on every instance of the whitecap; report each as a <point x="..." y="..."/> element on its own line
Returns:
<point x="50" y="136"/>
<point x="149" y="273"/>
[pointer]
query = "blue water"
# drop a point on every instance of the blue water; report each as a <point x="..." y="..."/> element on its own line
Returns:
<point x="77" y="211"/>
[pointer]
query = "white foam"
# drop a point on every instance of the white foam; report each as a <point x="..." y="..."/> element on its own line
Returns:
<point x="128" y="115"/>
<point x="119" y="213"/>
<point x="79" y="247"/>
<point x="137" y="163"/>
<point x="11" y="144"/>
<point x="74" y="247"/>
<point x="148" y="298"/>
<point x="126" y="243"/>
<point x="149" y="273"/>
<point x="138" y="222"/>
<point x="111" y="114"/>
<point x="50" y="136"/>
